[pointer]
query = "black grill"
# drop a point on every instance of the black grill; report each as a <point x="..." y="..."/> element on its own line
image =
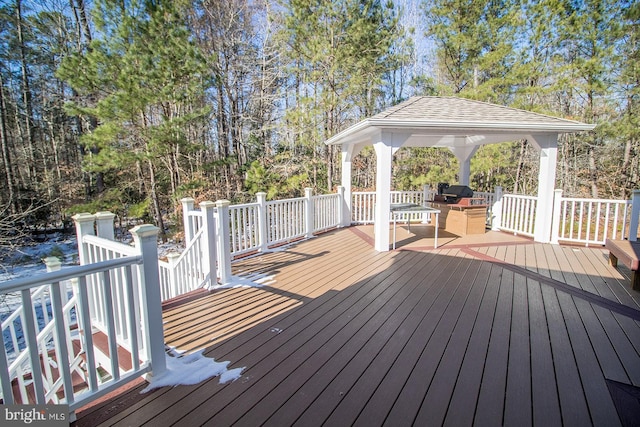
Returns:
<point x="454" y="193"/>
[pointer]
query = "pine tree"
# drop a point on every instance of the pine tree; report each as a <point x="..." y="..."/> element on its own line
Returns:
<point x="339" y="52"/>
<point x="146" y="74"/>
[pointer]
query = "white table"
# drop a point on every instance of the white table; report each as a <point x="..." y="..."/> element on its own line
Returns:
<point x="398" y="209"/>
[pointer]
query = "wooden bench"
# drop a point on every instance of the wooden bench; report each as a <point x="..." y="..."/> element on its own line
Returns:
<point x="629" y="254"/>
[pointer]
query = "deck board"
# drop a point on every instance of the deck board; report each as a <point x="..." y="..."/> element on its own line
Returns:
<point x="518" y="398"/>
<point x="464" y="397"/>
<point x="546" y="408"/>
<point x="339" y="334"/>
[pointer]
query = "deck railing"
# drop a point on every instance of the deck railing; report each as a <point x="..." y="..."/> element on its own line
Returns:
<point x="518" y="214"/>
<point x="363" y="202"/>
<point x="590" y="221"/>
<point x="56" y="360"/>
<point x="578" y="220"/>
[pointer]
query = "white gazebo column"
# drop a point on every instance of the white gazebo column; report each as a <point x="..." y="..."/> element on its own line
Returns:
<point x="464" y="154"/>
<point x="547" y="146"/>
<point x="348" y="151"/>
<point x="385" y="147"/>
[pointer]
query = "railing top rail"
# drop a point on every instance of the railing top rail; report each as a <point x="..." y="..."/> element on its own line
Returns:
<point x="66" y="274"/>
<point x="519" y="196"/>
<point x="245" y="205"/>
<point x="275" y="202"/>
<point x="587" y="200"/>
<point x="325" y="196"/>
<point x="110" y="245"/>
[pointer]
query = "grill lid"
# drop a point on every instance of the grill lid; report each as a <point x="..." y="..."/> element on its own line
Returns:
<point x="458" y="191"/>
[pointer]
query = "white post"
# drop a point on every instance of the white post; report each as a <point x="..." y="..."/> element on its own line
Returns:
<point x="52" y="263"/>
<point x="209" y="256"/>
<point x="384" y="154"/>
<point x="555" y="225"/>
<point x="341" y="207"/>
<point x="145" y="238"/>
<point x="308" y="212"/>
<point x="263" y="238"/>
<point x="104" y="225"/>
<point x="464" y="153"/>
<point x="635" y="216"/>
<point x="496" y="209"/>
<point x="348" y="151"/>
<point x="187" y="206"/>
<point x="84" y="226"/>
<point x="172" y="259"/>
<point x="548" y="148"/>
<point x="224" y="248"/>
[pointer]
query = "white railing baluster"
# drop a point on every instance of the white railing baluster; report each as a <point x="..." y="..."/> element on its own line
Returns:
<point x="110" y="325"/>
<point x="132" y="319"/>
<point x="30" y="333"/>
<point x="5" y="378"/>
<point x="60" y="336"/>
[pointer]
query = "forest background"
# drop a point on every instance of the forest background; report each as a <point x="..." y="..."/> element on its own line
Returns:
<point x="131" y="105"/>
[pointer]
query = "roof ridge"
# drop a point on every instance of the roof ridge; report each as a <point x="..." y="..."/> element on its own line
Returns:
<point x="400" y="106"/>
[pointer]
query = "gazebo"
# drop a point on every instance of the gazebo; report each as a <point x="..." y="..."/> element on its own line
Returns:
<point x="461" y="125"/>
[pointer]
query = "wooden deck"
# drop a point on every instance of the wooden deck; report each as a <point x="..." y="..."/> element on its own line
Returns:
<point x="482" y="331"/>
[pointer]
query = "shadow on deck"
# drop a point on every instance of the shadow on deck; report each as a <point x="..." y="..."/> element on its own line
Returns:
<point x="504" y="331"/>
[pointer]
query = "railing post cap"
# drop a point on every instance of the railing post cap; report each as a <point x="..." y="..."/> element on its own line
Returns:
<point x="105" y="215"/>
<point x="187" y="200"/>
<point x="172" y="256"/>
<point x="207" y="204"/>
<point x="261" y="193"/>
<point x="83" y="217"/>
<point x="144" y="230"/>
<point x="53" y="263"/>
<point x="222" y="203"/>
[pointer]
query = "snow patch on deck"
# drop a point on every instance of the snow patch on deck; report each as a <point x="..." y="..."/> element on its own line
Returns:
<point x="192" y="369"/>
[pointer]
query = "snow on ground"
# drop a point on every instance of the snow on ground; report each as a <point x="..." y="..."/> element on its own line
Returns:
<point x="192" y="369"/>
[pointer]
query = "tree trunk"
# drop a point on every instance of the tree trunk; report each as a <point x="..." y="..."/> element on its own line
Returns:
<point x="593" y="172"/>
<point x="520" y="167"/>
<point x="155" y="200"/>
<point x="26" y="97"/>
<point x="6" y="154"/>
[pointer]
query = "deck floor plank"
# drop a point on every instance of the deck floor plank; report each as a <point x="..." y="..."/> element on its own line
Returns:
<point x="518" y="400"/>
<point x="546" y="408"/>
